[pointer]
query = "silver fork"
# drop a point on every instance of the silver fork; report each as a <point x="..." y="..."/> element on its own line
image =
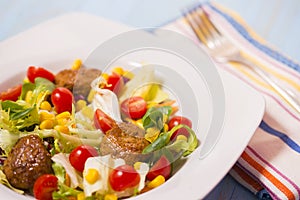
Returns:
<point x="223" y="50"/>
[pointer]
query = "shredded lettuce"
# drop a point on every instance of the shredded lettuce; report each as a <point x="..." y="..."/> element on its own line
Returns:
<point x="23" y="115"/>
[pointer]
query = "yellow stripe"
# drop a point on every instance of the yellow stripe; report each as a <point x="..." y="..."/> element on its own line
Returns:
<point x="274" y="73"/>
<point x="250" y="76"/>
<point x="260" y="40"/>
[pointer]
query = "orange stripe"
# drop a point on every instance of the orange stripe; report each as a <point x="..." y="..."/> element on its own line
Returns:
<point x="268" y="175"/>
<point x="247" y="178"/>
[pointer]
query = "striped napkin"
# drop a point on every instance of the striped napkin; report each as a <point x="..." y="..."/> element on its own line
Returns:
<point x="270" y="164"/>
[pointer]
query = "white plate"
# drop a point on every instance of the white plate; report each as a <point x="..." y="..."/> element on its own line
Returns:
<point x="56" y="43"/>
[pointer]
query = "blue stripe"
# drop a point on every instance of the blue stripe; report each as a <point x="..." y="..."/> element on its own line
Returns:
<point x="264" y="126"/>
<point x="272" y="53"/>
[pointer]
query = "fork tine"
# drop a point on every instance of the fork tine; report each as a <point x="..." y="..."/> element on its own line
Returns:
<point x="204" y="29"/>
<point x="192" y="21"/>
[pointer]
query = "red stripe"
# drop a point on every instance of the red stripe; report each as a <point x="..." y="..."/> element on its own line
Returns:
<point x="269" y="176"/>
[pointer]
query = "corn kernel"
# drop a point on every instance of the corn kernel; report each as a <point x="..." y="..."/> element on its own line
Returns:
<point x="62" y="129"/>
<point x="181" y="137"/>
<point x="105" y="76"/>
<point x="28" y="96"/>
<point x="76" y="64"/>
<point x="26" y="80"/>
<point x="137" y="165"/>
<point x="118" y="70"/>
<point x="128" y="75"/>
<point x="110" y="197"/>
<point x="61" y="121"/>
<point x="156" y="182"/>
<point x="92" y="176"/>
<point x="63" y="115"/>
<point x="81" y="196"/>
<point x="46" y="124"/>
<point x="46" y="115"/>
<point x="40" y="96"/>
<point x="91" y="96"/>
<point x="166" y="127"/>
<point x="80" y="104"/>
<point x="45" y="105"/>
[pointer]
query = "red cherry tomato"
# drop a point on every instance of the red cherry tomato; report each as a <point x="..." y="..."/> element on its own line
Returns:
<point x="103" y="121"/>
<point x="123" y="177"/>
<point x="114" y="83"/>
<point x="80" y="154"/>
<point x="134" y="107"/>
<point x="62" y="99"/>
<point x="176" y="120"/>
<point x="34" y="72"/>
<point x="161" y="167"/>
<point x="12" y="93"/>
<point x="44" y="186"/>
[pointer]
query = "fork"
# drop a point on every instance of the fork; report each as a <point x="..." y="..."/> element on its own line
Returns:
<point x="223" y="50"/>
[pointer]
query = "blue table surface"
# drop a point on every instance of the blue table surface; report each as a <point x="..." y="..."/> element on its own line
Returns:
<point x="276" y="21"/>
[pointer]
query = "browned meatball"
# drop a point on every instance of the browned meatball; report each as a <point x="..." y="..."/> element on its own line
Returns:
<point x="66" y="78"/>
<point x="125" y="141"/>
<point x="28" y="160"/>
<point x="78" y="81"/>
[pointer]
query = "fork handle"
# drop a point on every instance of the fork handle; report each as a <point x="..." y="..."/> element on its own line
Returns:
<point x="282" y="92"/>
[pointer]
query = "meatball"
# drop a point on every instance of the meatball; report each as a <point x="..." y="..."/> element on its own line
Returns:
<point x="66" y="78"/>
<point x="28" y="160"/>
<point x="77" y="81"/>
<point x="125" y="141"/>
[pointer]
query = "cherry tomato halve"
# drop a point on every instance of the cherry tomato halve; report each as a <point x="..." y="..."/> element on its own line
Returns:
<point x="12" y="93"/>
<point x="80" y="154"/>
<point x="62" y="99"/>
<point x="102" y="121"/>
<point x="34" y="72"/>
<point x="134" y="107"/>
<point x="44" y="186"/>
<point x="114" y="83"/>
<point x="161" y="167"/>
<point x="123" y="177"/>
<point x="176" y="120"/>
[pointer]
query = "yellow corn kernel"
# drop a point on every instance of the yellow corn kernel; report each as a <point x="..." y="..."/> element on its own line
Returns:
<point x="105" y="76"/>
<point x="118" y="70"/>
<point x="166" y="127"/>
<point x="46" y="124"/>
<point x="63" y="115"/>
<point x="110" y="197"/>
<point x="61" y="121"/>
<point x="156" y="182"/>
<point x="76" y="64"/>
<point x="81" y="196"/>
<point x="80" y="104"/>
<point x="62" y="129"/>
<point x="45" y="105"/>
<point x="128" y="75"/>
<point x="26" y="80"/>
<point x="92" y="176"/>
<point x="181" y="137"/>
<point x="28" y="96"/>
<point x="91" y="96"/>
<point x="45" y="115"/>
<point x="40" y="96"/>
<point x="137" y="165"/>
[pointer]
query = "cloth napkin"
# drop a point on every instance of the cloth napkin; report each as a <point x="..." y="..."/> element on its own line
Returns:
<point x="270" y="165"/>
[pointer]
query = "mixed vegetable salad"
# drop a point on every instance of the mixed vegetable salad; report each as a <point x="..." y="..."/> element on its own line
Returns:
<point x="85" y="134"/>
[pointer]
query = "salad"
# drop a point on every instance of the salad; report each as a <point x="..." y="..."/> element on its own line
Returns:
<point x="85" y="134"/>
